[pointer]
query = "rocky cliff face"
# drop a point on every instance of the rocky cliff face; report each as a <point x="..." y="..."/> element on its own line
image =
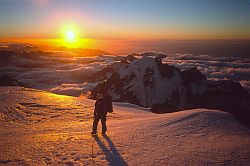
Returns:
<point x="150" y="83"/>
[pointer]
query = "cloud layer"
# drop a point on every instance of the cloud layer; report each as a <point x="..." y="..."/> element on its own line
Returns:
<point x="64" y="73"/>
<point x="215" y="68"/>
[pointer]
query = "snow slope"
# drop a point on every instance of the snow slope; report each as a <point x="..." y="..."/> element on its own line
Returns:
<point x="40" y="128"/>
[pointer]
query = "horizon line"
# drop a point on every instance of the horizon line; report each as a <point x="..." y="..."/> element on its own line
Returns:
<point x="131" y="39"/>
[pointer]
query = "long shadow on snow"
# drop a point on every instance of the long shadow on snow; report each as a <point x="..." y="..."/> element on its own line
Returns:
<point x="112" y="154"/>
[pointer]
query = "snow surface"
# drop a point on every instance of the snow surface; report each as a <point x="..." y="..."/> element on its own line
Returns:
<point x="40" y="128"/>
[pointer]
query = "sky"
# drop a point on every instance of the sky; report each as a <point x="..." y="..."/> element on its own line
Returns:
<point x="129" y="19"/>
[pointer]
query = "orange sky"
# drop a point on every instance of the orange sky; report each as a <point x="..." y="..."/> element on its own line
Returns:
<point x="131" y="19"/>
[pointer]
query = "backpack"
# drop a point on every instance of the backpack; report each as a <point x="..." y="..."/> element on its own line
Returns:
<point x="108" y="103"/>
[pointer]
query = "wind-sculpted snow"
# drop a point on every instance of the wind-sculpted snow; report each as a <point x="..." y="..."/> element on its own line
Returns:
<point x="40" y="128"/>
<point x="29" y="106"/>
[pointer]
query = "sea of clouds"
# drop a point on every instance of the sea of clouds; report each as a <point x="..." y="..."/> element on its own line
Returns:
<point x="63" y="73"/>
<point x="215" y="68"/>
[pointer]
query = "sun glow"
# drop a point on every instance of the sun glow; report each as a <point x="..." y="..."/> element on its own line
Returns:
<point x="71" y="36"/>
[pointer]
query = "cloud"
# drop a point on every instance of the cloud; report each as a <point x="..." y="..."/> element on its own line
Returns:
<point x="84" y="72"/>
<point x="43" y="70"/>
<point x="73" y="89"/>
<point x="215" y="68"/>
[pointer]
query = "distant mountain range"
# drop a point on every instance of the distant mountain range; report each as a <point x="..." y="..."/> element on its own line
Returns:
<point x="148" y="82"/>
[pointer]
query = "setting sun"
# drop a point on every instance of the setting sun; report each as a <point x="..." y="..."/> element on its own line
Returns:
<point x="70" y="35"/>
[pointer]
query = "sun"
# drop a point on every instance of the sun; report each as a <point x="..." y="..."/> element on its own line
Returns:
<point x="70" y="36"/>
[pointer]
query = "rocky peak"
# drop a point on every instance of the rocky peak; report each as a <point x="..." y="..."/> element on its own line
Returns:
<point x="191" y="75"/>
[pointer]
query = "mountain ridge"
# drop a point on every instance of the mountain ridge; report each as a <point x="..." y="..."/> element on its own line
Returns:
<point x="148" y="82"/>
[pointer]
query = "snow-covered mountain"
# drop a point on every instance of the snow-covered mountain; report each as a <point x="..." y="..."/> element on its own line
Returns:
<point x="147" y="82"/>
